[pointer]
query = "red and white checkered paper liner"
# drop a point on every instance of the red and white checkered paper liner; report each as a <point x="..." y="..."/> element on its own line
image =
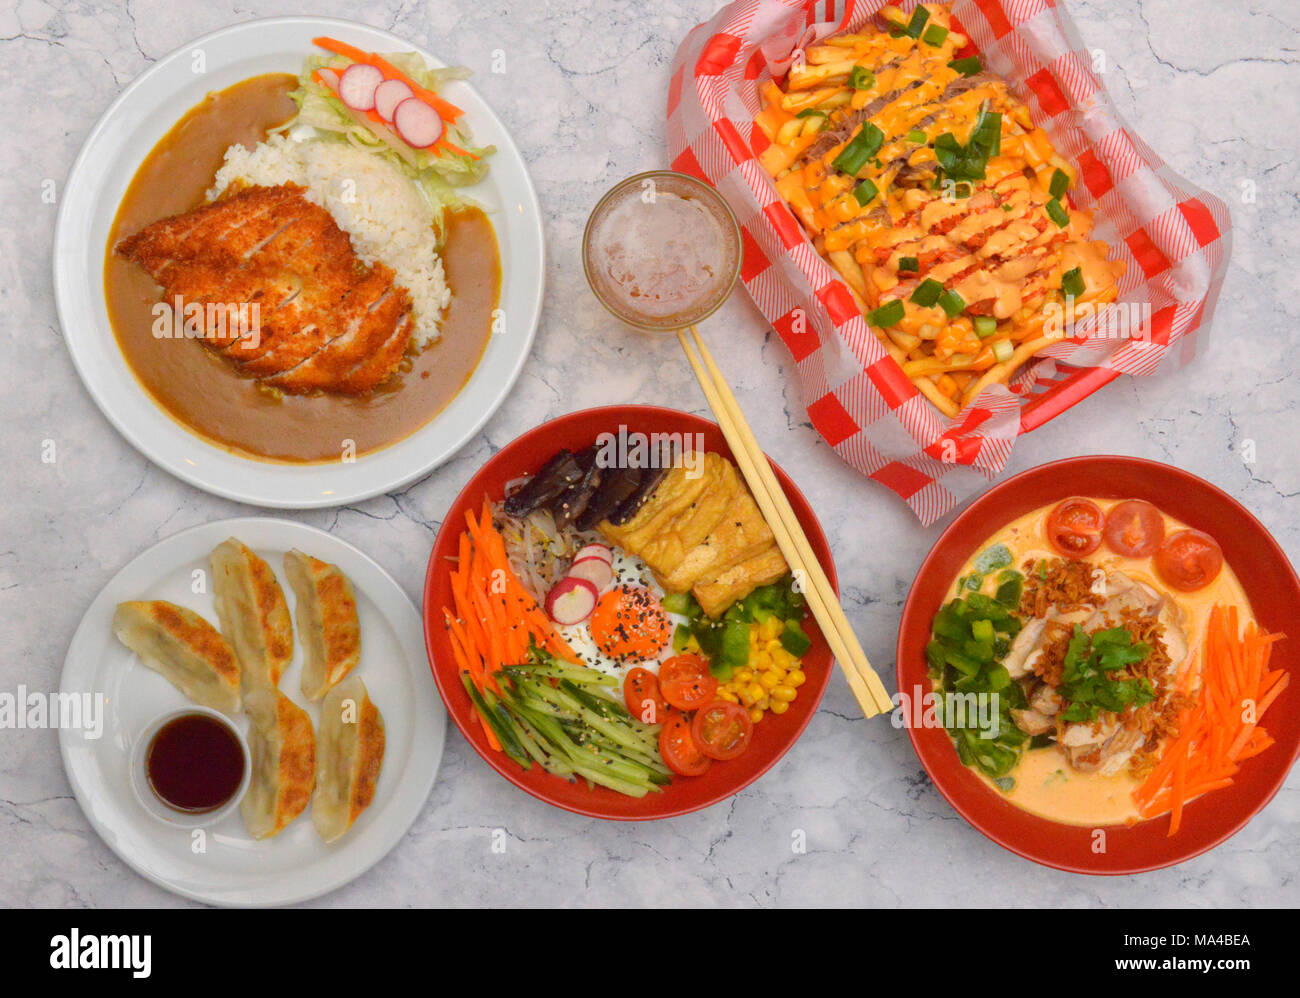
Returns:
<point x="1174" y="238"/>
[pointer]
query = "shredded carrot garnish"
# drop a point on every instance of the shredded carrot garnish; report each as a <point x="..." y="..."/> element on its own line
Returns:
<point x="1222" y="729"/>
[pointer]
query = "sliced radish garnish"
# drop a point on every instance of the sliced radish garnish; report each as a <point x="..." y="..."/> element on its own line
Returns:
<point x="571" y="601"/>
<point x="358" y="84"/>
<point x="388" y="95"/>
<point x="597" y="571"/>
<point x="594" y="551"/>
<point x="417" y="123"/>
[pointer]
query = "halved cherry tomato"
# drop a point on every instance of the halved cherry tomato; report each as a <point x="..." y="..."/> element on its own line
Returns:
<point x="678" y="748"/>
<point x="641" y="692"/>
<point x="1074" y="527"/>
<point x="722" y="729"/>
<point x="1134" y="528"/>
<point x="1189" y="560"/>
<point x="686" y="682"/>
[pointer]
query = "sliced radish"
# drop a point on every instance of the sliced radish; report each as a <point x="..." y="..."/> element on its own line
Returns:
<point x="388" y="95"/>
<point x="417" y="123"/>
<point x="597" y="571"/>
<point x="571" y="601"/>
<point x="594" y="551"/>
<point x="358" y="84"/>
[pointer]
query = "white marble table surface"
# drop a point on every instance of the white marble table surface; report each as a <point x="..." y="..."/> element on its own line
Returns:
<point x="1209" y="85"/>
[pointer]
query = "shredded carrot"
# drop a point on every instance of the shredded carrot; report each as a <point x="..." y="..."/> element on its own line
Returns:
<point x="1215" y="735"/>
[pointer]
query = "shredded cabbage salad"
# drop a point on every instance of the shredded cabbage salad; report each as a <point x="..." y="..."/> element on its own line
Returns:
<point x="437" y="172"/>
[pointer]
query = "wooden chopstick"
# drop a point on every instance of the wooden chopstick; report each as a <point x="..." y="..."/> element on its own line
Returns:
<point x="863" y="681"/>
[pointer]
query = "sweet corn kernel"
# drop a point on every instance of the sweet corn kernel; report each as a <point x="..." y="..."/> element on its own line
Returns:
<point x="726" y="694"/>
<point x="795" y="678"/>
<point x="784" y="659"/>
<point x="744" y="676"/>
<point x="761" y="660"/>
<point x="769" y="679"/>
<point x="774" y="646"/>
<point x="755" y="691"/>
<point x="779" y="707"/>
<point x="745" y="699"/>
<point x="756" y="715"/>
<point x="784" y="693"/>
<point x="769" y="628"/>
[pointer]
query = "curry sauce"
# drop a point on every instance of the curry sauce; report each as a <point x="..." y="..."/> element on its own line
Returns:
<point x="203" y="391"/>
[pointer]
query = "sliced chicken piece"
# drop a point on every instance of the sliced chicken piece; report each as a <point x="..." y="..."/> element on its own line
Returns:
<point x="1031" y="722"/>
<point x="1028" y="642"/>
<point x="1045" y="700"/>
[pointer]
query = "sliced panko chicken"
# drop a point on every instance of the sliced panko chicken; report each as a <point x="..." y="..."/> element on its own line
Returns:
<point x="326" y="321"/>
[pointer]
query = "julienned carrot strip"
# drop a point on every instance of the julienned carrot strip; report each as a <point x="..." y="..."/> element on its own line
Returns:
<point x="443" y="107"/>
<point x="1216" y="735"/>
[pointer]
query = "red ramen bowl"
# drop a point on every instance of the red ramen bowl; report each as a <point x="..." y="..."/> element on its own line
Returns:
<point x="1274" y="593"/>
<point x="773" y="736"/>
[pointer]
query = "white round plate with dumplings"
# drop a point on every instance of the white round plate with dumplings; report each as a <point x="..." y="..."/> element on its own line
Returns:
<point x="225" y="866"/>
<point x="109" y="158"/>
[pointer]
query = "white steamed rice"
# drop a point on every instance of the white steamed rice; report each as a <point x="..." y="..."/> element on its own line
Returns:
<point x="387" y="217"/>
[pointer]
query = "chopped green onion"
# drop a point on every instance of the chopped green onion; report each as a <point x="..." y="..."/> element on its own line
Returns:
<point x="865" y="192"/>
<point x="853" y="157"/>
<point x="916" y="135"/>
<point x="988" y="132"/>
<point x="927" y="292"/>
<point x="1072" y="283"/>
<point x="935" y="34"/>
<point x="952" y="303"/>
<point x="812" y="112"/>
<point x="917" y="23"/>
<point x="1060" y="184"/>
<point x="968" y="66"/>
<point x="1058" y="214"/>
<point x="1002" y="351"/>
<point x="962" y="190"/>
<point x="889" y="314"/>
<point x="908" y="265"/>
<point x="985" y="326"/>
<point x="861" y="78"/>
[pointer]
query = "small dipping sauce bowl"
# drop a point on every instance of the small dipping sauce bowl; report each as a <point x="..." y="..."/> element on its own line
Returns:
<point x="190" y="767"/>
<point x="662" y="250"/>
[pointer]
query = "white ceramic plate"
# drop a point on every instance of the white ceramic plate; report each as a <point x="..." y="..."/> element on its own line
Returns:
<point x="131" y="127"/>
<point x="234" y="869"/>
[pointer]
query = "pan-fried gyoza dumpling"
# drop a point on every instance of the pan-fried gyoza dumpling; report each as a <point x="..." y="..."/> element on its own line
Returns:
<point x="253" y="613"/>
<point x="284" y="763"/>
<point x="184" y="648"/>
<point x="350" y="758"/>
<point x="327" y="622"/>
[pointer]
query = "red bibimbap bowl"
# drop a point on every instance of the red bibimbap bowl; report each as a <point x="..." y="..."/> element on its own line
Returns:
<point x="772" y="737"/>
<point x="1271" y="586"/>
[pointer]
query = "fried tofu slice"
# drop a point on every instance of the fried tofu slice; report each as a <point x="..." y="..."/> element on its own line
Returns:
<point x="739" y="581"/>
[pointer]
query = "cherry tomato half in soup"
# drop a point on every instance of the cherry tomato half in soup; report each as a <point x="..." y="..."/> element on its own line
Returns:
<point x="678" y="748"/>
<point x="641" y="693"/>
<point x="1074" y="527"/>
<point x="1189" y="560"/>
<point x="1134" y="528"/>
<point x="722" y="729"/>
<point x="686" y="682"/>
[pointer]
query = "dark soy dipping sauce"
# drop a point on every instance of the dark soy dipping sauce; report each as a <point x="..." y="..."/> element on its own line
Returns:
<point x="195" y="763"/>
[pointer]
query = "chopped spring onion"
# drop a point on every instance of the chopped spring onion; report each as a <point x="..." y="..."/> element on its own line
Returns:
<point x="853" y="157"/>
<point x="861" y="78"/>
<point x="952" y="303"/>
<point x="985" y="326"/>
<point x="908" y="265"/>
<point x="1002" y="350"/>
<point x="927" y="292"/>
<point x="916" y="135"/>
<point x="865" y="192"/>
<point x="812" y="112"/>
<point x="968" y="66"/>
<point x="888" y="314"/>
<point x="1060" y="184"/>
<point x="1058" y="214"/>
<point x="917" y="23"/>
<point x="935" y="34"/>
<point x="1072" y="283"/>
